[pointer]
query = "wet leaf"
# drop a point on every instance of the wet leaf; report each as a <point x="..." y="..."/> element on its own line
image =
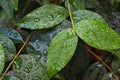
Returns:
<point x="40" y="40"/>
<point x="12" y="34"/>
<point x="8" y="77"/>
<point x="27" y="67"/>
<point x="46" y="16"/>
<point x="98" y="34"/>
<point x="108" y="76"/>
<point x="2" y="58"/>
<point x="8" y="46"/>
<point x="60" y="51"/>
<point x="95" y="72"/>
<point x="78" y="64"/>
<point x="9" y="6"/>
<point x="116" y="66"/>
<point x="80" y="15"/>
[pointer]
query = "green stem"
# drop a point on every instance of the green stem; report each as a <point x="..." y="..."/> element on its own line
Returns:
<point x="71" y="16"/>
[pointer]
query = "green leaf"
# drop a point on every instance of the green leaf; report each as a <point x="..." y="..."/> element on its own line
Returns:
<point x="80" y="15"/>
<point x="2" y="58"/>
<point x="27" y="67"/>
<point x="60" y="51"/>
<point x="12" y="34"/>
<point x="98" y="34"/>
<point x="9" y="6"/>
<point x="8" y="46"/>
<point x="75" y="5"/>
<point x="8" y="77"/>
<point x="46" y="16"/>
<point x="40" y="40"/>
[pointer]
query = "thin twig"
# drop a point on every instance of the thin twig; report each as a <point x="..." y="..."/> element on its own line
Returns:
<point x="69" y="11"/>
<point x="88" y="49"/>
<point x="16" y="55"/>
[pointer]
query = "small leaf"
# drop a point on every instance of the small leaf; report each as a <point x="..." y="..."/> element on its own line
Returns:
<point x="12" y="34"/>
<point x="8" y="46"/>
<point x="2" y="58"/>
<point x="46" y="16"/>
<point x="80" y="15"/>
<point x="8" y="77"/>
<point x="60" y="51"/>
<point x="98" y="34"/>
<point x="27" y="67"/>
<point x="95" y="72"/>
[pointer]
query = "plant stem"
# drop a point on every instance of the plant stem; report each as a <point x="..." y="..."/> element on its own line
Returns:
<point x="69" y="11"/>
<point x="15" y="56"/>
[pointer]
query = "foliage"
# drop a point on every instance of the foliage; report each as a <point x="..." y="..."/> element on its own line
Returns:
<point x="43" y="39"/>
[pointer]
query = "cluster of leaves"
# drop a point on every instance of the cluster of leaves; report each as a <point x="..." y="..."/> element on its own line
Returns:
<point x="54" y="39"/>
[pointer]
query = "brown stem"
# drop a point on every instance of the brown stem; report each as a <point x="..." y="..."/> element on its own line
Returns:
<point x="88" y="49"/>
<point x="16" y="55"/>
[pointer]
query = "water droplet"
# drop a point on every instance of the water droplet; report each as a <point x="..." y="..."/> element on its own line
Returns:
<point x="36" y="19"/>
<point x="15" y="35"/>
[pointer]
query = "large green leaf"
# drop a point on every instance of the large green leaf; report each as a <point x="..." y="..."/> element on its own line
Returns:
<point x="80" y="15"/>
<point x="98" y="34"/>
<point x="9" y="6"/>
<point x="8" y="46"/>
<point x="27" y="67"/>
<point x="46" y="16"/>
<point x="12" y="34"/>
<point x="2" y="58"/>
<point x="40" y="40"/>
<point x="60" y="51"/>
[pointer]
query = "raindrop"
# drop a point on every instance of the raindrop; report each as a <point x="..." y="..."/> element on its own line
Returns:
<point x="36" y="19"/>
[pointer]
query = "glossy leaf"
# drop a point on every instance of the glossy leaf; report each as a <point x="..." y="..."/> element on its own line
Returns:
<point x="8" y="46"/>
<point x="8" y="77"/>
<point x="9" y="6"/>
<point x="2" y="58"/>
<point x="95" y="72"/>
<point x="98" y="34"/>
<point x="78" y="64"/>
<point x="12" y="34"/>
<point x="80" y="15"/>
<point x="60" y="51"/>
<point x="46" y="16"/>
<point x="27" y="67"/>
<point x="40" y="40"/>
